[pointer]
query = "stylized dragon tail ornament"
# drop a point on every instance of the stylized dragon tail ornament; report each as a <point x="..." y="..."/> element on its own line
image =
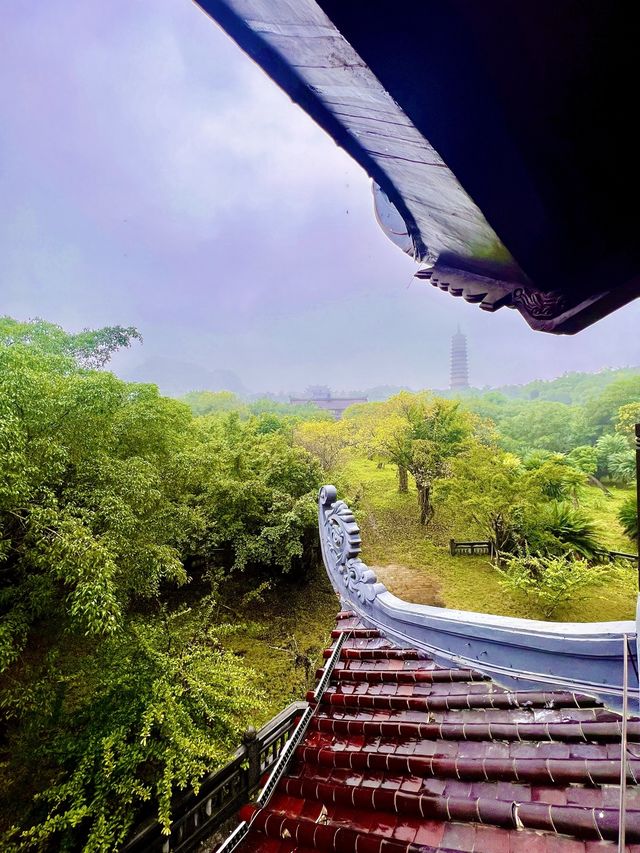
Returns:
<point x="341" y="544"/>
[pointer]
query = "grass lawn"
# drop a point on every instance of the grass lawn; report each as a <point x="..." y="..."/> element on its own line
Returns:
<point x="392" y="535"/>
<point x="604" y="510"/>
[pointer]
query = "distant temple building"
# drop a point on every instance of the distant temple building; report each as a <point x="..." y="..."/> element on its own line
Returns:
<point x="320" y="396"/>
<point x="459" y="362"/>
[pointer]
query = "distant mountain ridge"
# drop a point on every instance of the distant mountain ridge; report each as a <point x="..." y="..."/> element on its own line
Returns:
<point x="176" y="378"/>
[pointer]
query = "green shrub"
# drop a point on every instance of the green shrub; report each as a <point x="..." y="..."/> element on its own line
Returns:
<point x="622" y="467"/>
<point x="144" y="716"/>
<point x="615" y="458"/>
<point x="549" y="582"/>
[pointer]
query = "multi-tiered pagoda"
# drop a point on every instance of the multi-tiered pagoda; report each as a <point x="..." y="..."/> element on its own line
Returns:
<point x="459" y="362"/>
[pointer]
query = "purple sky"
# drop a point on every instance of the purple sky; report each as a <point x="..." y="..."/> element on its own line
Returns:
<point x="151" y="175"/>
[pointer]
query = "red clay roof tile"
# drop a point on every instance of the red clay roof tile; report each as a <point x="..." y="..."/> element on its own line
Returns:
<point x="405" y="756"/>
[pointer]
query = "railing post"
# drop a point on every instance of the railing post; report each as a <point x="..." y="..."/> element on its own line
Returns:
<point x="452" y="547"/>
<point x="638" y="496"/>
<point x="638" y="538"/>
<point x="252" y="745"/>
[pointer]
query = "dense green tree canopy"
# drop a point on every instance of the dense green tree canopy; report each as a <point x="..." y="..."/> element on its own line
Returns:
<point x="601" y="412"/>
<point x="555" y="427"/>
<point x="112" y="498"/>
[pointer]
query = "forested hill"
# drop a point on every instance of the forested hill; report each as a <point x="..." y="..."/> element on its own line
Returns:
<point x="571" y="388"/>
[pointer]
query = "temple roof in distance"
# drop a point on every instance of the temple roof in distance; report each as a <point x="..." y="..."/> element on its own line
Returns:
<point x="335" y="405"/>
<point x="405" y="756"/>
<point x="497" y="135"/>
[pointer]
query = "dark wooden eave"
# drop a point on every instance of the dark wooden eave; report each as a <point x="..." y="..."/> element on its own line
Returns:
<point x="500" y="131"/>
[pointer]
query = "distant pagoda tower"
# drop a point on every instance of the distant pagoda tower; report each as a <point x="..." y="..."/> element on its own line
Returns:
<point x="459" y="364"/>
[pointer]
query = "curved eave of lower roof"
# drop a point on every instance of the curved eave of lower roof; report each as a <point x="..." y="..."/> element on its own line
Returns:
<point x="397" y="754"/>
<point x="581" y="657"/>
<point x="308" y="56"/>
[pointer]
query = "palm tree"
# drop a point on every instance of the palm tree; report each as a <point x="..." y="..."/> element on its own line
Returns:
<point x="573" y="529"/>
<point x="628" y="518"/>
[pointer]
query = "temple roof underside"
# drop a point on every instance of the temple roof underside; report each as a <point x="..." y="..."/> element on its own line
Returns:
<point x="495" y="135"/>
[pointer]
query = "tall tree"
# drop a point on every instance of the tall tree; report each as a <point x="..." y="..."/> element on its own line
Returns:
<point x="324" y="439"/>
<point x="427" y="433"/>
<point x="90" y="348"/>
<point x="626" y="419"/>
<point x="492" y="490"/>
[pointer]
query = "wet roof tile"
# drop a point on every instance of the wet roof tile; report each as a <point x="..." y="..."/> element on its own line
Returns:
<point x="406" y="756"/>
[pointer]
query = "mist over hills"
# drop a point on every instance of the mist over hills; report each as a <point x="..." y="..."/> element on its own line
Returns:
<point x="573" y="387"/>
<point x="175" y="378"/>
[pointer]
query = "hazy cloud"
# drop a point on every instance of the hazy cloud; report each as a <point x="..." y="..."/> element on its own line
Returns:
<point x="150" y="174"/>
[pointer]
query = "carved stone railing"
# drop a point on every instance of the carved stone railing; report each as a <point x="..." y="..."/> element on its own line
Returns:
<point x="486" y="548"/>
<point x="221" y="794"/>
<point x="525" y="653"/>
<point x="341" y="543"/>
<point x="611" y="556"/>
<point x="470" y="549"/>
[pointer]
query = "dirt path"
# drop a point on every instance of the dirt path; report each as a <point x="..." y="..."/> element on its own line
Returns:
<point x="410" y="584"/>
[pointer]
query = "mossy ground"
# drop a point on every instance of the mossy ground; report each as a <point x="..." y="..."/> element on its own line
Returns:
<point x="283" y="634"/>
